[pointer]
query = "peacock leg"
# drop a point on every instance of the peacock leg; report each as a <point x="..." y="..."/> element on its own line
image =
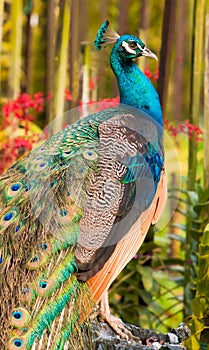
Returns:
<point x="114" y="322"/>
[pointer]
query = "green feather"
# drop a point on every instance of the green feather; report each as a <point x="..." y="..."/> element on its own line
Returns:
<point x="50" y="311"/>
<point x="62" y="273"/>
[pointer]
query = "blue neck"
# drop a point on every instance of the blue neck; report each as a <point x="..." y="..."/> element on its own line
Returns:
<point x="135" y="88"/>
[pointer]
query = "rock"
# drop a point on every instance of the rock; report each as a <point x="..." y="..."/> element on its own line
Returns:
<point x="104" y="338"/>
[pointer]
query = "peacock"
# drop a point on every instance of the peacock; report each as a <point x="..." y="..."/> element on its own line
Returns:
<point x="77" y="208"/>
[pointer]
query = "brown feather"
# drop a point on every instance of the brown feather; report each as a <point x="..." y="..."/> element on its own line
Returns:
<point x="130" y="244"/>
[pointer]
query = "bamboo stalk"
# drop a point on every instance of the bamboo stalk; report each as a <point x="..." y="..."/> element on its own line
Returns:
<point x="85" y="80"/>
<point x="84" y="13"/>
<point x="1" y="32"/>
<point x="16" y="44"/>
<point x="104" y="10"/>
<point x="196" y="81"/>
<point x="165" y="52"/>
<point x="86" y="68"/>
<point x="74" y="52"/>
<point x="1" y="21"/>
<point x="104" y="15"/>
<point x="143" y="29"/>
<point x="206" y="102"/>
<point x="123" y="18"/>
<point x="50" y="56"/>
<point x="28" y="48"/>
<point x="62" y="66"/>
<point x="179" y="61"/>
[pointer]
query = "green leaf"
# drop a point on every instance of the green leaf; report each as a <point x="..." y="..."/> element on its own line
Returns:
<point x="193" y="197"/>
<point x="177" y="237"/>
<point x="201" y="205"/>
<point x="147" y="277"/>
<point x="147" y="297"/>
<point x="192" y="343"/>
<point x="183" y="212"/>
<point x="200" y="306"/>
<point x="180" y="226"/>
<point x="205" y="239"/>
<point x="191" y="212"/>
<point x="148" y="247"/>
<point x="173" y="261"/>
<point x="205" y="195"/>
<point x="179" y="280"/>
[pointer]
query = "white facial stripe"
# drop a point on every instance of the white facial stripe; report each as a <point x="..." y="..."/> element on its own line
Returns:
<point x="139" y="46"/>
<point x="125" y="44"/>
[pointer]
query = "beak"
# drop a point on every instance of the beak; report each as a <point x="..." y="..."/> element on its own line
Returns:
<point x="146" y="52"/>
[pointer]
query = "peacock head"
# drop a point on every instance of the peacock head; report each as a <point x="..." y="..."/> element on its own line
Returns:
<point x="127" y="46"/>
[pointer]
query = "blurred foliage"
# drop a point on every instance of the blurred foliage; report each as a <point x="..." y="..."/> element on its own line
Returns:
<point x="199" y="322"/>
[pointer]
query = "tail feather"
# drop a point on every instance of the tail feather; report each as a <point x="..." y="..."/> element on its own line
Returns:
<point x="50" y="311"/>
<point x="65" y="333"/>
<point x="53" y="317"/>
<point x="47" y="286"/>
<point x="41" y="295"/>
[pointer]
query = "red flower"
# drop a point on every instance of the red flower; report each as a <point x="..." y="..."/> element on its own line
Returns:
<point x="148" y="73"/>
<point x="193" y="131"/>
<point x="68" y="96"/>
<point x="16" y="114"/>
<point x="152" y="76"/>
<point x="20" y="146"/>
<point x="16" y="144"/>
<point x="24" y="107"/>
<point x="92" y="84"/>
<point x="156" y="74"/>
<point x="12" y="150"/>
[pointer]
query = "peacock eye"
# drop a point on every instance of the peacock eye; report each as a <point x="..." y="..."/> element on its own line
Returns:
<point x="132" y="45"/>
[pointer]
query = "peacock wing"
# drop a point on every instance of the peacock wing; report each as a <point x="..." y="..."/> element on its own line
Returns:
<point x="130" y="162"/>
<point x="127" y="247"/>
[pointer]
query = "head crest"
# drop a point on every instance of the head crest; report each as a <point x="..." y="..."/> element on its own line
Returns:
<point x="106" y="35"/>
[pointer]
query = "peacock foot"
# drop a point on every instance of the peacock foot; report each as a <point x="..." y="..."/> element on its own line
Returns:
<point x="114" y="322"/>
<point x="117" y="325"/>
